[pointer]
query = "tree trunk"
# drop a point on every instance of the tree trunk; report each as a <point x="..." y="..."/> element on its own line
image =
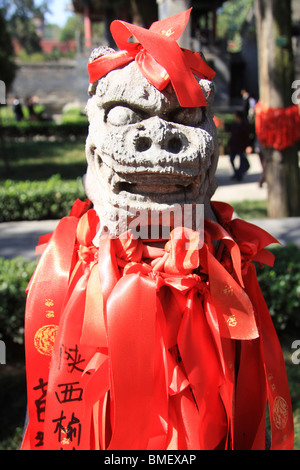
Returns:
<point x="276" y="75"/>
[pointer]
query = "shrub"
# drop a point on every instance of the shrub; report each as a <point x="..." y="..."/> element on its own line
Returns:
<point x="77" y="119"/>
<point x="74" y="116"/>
<point x="14" y="277"/>
<point x="281" y="287"/>
<point x="26" y="129"/>
<point x="38" y="200"/>
<point x="249" y="209"/>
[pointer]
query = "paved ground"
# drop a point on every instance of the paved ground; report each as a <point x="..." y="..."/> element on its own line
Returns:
<point x="230" y="191"/>
<point x="285" y="230"/>
<point x="20" y="238"/>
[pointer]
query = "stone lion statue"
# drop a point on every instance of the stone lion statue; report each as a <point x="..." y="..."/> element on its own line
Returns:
<point x="145" y="327"/>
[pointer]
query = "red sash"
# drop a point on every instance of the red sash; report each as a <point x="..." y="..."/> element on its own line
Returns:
<point x="135" y="347"/>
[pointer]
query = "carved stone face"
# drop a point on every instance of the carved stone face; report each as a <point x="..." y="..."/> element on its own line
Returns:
<point x="144" y="151"/>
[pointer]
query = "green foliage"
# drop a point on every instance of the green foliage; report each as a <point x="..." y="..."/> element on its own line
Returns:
<point x="13" y="409"/>
<point x="68" y="32"/>
<point x="73" y="123"/>
<point x="35" y="57"/>
<point x="232" y="16"/>
<point x="7" y="65"/>
<point x="23" y="30"/>
<point x="280" y="286"/>
<point x="28" y="129"/>
<point x="14" y="277"/>
<point x="14" y="441"/>
<point x="19" y="15"/>
<point x="38" y="200"/>
<point x="74" y="116"/>
<point x="251" y="209"/>
<point x="8" y="118"/>
<point x="40" y="159"/>
<point x="52" y="31"/>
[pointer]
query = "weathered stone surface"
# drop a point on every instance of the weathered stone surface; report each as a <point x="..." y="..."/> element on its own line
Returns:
<point x="144" y="151"/>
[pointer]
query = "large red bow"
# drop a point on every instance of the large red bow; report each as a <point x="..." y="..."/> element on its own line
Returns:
<point x="159" y="58"/>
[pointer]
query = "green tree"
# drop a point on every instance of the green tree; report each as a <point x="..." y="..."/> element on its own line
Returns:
<point x="52" y="31"/>
<point x="73" y="24"/>
<point x="7" y="75"/>
<point x="232" y="16"/>
<point x="7" y="64"/>
<point x="276" y="75"/>
<point x="19" y="15"/>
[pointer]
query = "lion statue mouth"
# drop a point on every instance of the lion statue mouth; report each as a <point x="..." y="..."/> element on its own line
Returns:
<point x="144" y="151"/>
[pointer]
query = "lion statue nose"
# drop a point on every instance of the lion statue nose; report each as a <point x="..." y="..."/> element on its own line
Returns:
<point x="159" y="135"/>
<point x="173" y="144"/>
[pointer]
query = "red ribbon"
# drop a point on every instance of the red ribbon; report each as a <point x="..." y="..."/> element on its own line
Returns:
<point x="278" y="128"/>
<point x="47" y="292"/>
<point x="159" y="58"/>
<point x="146" y="353"/>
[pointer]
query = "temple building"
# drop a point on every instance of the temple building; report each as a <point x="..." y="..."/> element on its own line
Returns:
<point x="145" y="13"/>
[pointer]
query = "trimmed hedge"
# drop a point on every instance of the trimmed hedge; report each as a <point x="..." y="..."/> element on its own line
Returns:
<point x="38" y="200"/>
<point x="14" y="277"/>
<point x="280" y="286"/>
<point x="28" y="129"/>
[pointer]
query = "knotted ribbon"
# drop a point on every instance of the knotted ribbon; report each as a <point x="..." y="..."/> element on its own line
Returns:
<point x="155" y="348"/>
<point x="278" y="128"/>
<point x="159" y="58"/>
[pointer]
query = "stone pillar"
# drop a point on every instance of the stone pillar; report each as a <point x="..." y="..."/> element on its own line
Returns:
<point x="168" y="8"/>
<point x="87" y="28"/>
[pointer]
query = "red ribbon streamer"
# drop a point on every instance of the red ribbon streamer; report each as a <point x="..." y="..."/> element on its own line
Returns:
<point x="45" y="303"/>
<point x="159" y="58"/>
<point x="278" y="128"/>
<point x="154" y="348"/>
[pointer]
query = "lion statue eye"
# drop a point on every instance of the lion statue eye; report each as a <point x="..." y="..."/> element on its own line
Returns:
<point x="121" y="116"/>
<point x="189" y="116"/>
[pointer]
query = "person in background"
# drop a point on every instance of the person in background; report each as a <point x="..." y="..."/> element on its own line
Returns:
<point x="249" y="113"/>
<point x="238" y="144"/>
<point x="246" y="102"/>
<point x="17" y="109"/>
<point x="30" y="102"/>
<point x="248" y="105"/>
